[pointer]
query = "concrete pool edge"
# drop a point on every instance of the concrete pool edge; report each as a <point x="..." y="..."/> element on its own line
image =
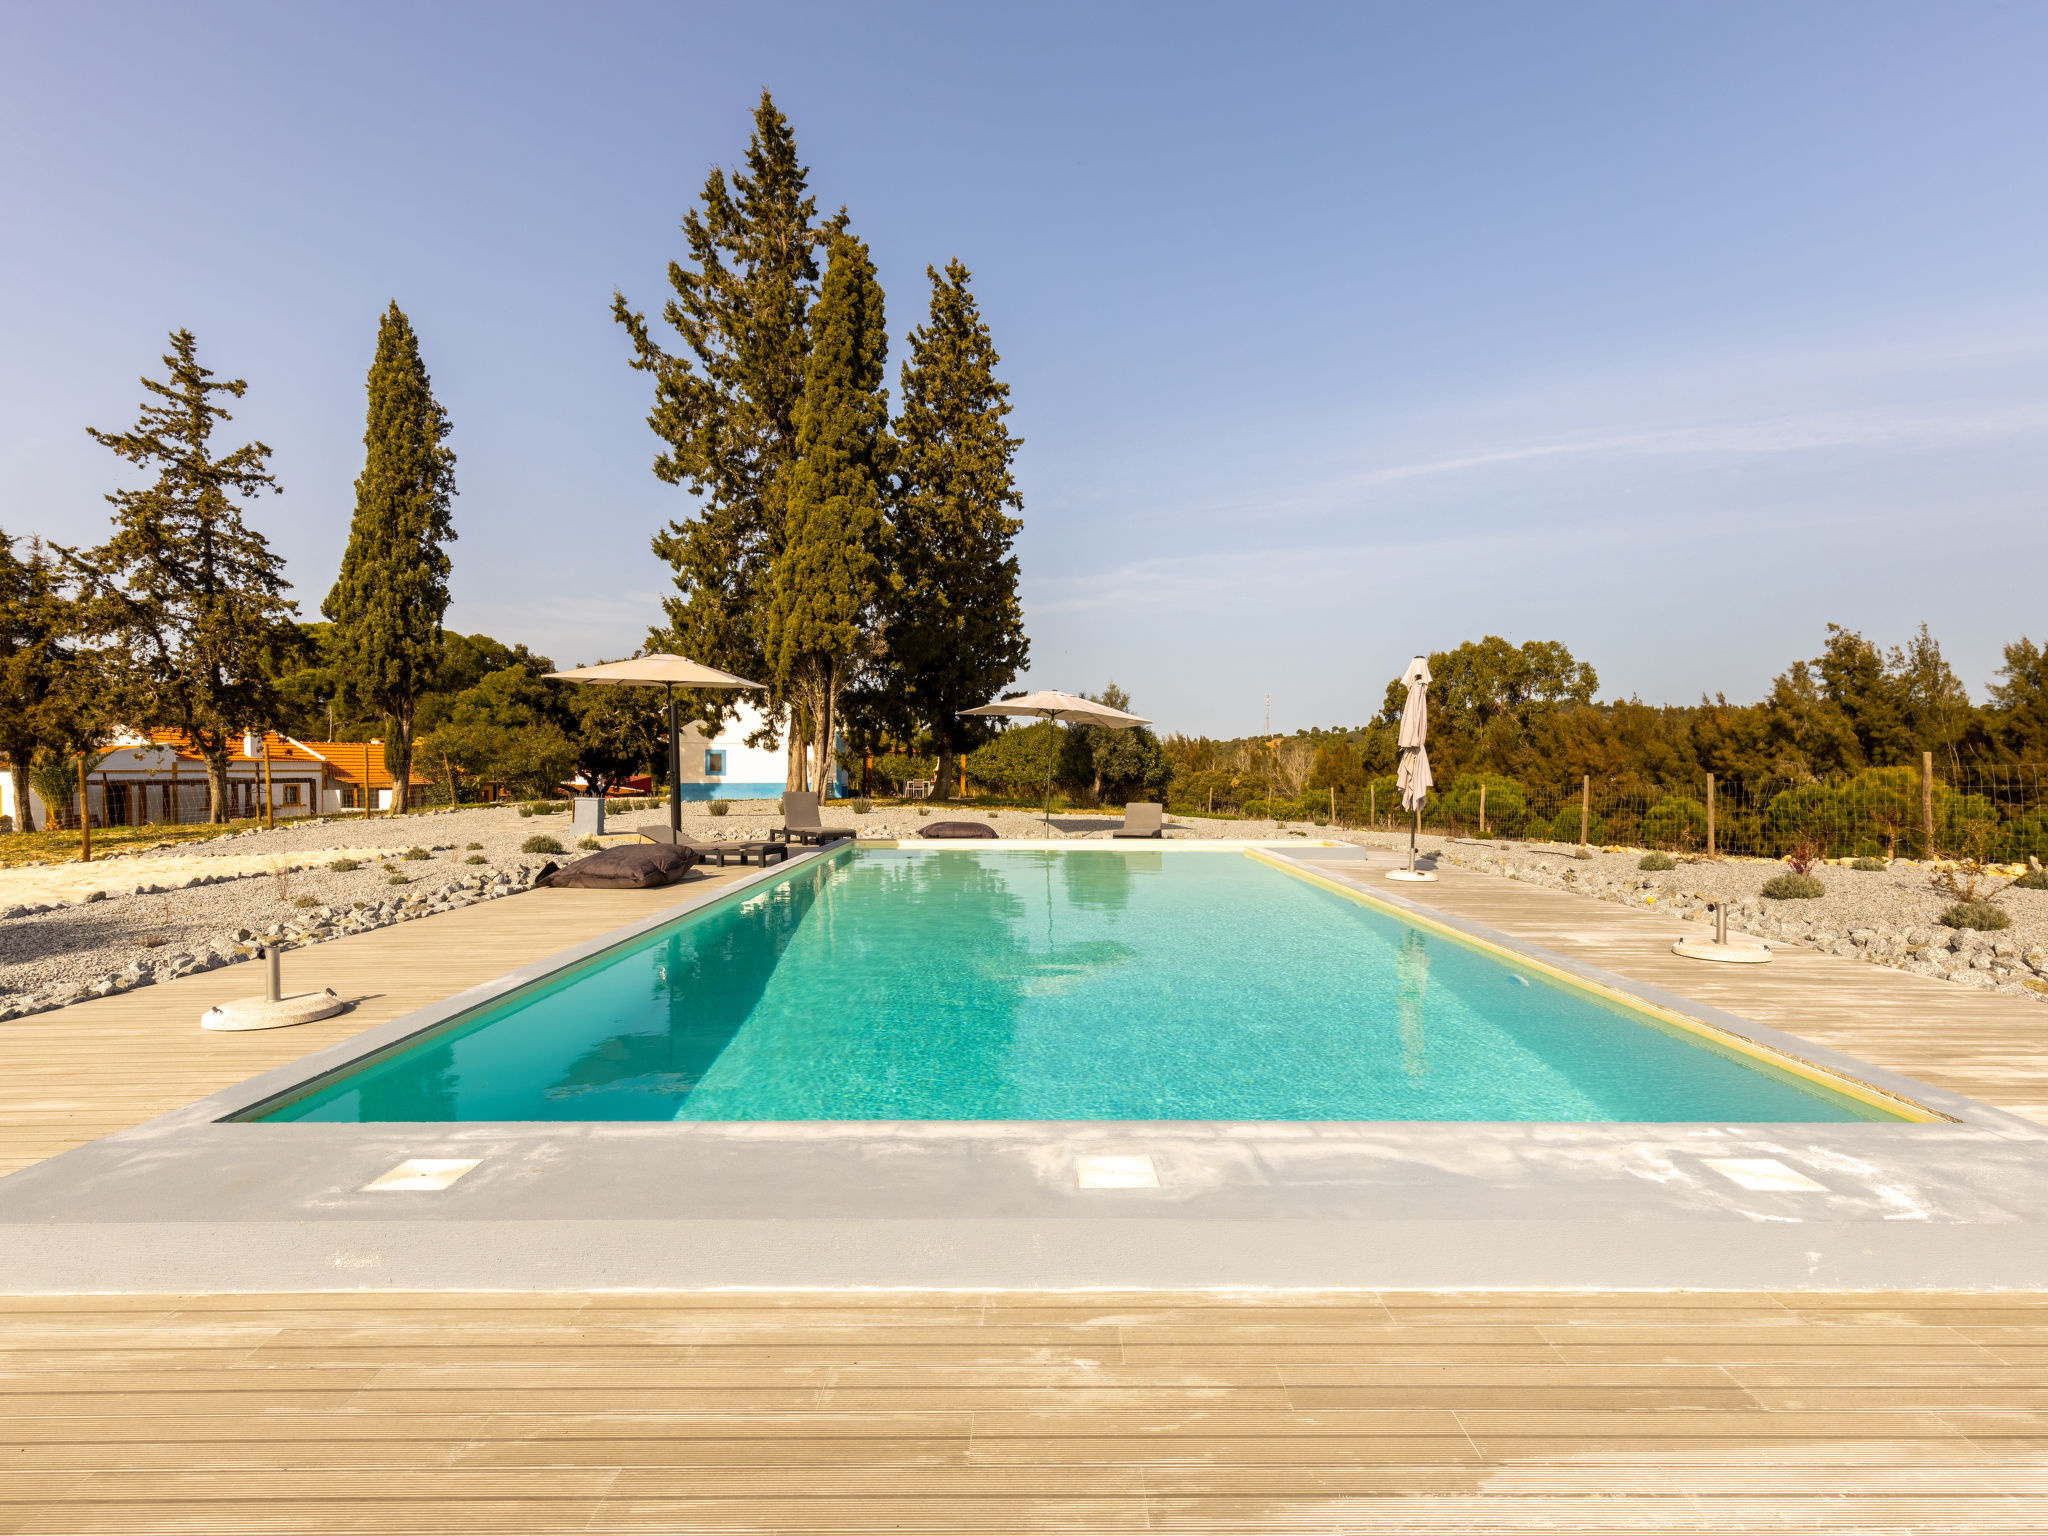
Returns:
<point x="191" y="1200"/>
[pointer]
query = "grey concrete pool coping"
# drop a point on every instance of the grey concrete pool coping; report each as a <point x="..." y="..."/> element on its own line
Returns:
<point x="195" y="1201"/>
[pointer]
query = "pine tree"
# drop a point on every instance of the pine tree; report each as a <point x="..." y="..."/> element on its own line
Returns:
<point x="189" y="593"/>
<point x="46" y="682"/>
<point x="955" y="630"/>
<point x="825" y="577"/>
<point x="726" y="406"/>
<point x="393" y="589"/>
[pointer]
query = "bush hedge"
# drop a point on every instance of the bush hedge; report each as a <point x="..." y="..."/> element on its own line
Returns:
<point x="1980" y="915"/>
<point x="1794" y="888"/>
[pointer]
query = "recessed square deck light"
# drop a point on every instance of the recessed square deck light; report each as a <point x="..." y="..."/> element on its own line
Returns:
<point x="422" y="1173"/>
<point x="1761" y="1173"/>
<point x="1116" y="1172"/>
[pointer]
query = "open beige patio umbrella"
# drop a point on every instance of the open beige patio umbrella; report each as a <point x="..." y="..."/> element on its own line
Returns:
<point x="1049" y="704"/>
<point x="1412" y="778"/>
<point x="668" y="673"/>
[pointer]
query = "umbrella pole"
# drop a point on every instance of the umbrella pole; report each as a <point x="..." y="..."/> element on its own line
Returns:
<point x="675" y="770"/>
<point x="1412" y="834"/>
<point x="1051" y="746"/>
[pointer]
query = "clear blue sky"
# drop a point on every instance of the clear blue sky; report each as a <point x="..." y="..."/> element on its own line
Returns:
<point x="1671" y="332"/>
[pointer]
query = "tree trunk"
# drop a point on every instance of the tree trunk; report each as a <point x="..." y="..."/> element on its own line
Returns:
<point x="793" y="778"/>
<point x="401" y="771"/>
<point x="944" y="779"/>
<point x="217" y="785"/>
<point x="823" y="713"/>
<point x="24" y="812"/>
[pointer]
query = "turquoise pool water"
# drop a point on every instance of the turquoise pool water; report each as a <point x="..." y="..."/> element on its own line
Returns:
<point x="1018" y="985"/>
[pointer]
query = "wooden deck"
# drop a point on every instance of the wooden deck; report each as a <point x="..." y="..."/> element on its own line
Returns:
<point x="1981" y="1045"/>
<point x="990" y="1413"/>
<point x="75" y="1074"/>
<point x="946" y="1413"/>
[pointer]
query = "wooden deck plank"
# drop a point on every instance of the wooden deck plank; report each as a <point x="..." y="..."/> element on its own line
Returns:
<point x="200" y="1416"/>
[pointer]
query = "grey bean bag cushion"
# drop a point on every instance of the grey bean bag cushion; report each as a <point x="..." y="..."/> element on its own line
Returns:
<point x="630" y="866"/>
<point x="957" y="829"/>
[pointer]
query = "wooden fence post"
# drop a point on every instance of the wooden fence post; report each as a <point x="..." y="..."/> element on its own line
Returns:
<point x="1710" y="816"/>
<point x="84" y="815"/>
<point x="1482" y="808"/>
<point x="1927" y="802"/>
<point x="1585" y="807"/>
<point x="1333" y="803"/>
<point x="1372" y="805"/>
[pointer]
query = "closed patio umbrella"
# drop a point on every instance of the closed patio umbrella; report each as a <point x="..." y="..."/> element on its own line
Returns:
<point x="668" y="673"/>
<point x="1051" y="705"/>
<point x="1412" y="778"/>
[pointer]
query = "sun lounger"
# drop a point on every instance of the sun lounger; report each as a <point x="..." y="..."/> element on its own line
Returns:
<point x="774" y="850"/>
<point x="1142" y="819"/>
<point x="800" y="822"/>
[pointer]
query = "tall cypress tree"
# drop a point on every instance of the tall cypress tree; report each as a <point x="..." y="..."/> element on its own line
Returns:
<point x="393" y="589"/>
<point x="191" y="595"/>
<point x="825" y="578"/>
<point x="955" y="625"/>
<point x="725" y="406"/>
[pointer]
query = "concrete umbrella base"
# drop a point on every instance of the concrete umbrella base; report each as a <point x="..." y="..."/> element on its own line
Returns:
<point x="1409" y="874"/>
<point x="1727" y="954"/>
<point x="262" y="1013"/>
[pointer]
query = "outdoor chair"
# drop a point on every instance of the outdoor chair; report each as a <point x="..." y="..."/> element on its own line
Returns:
<point x="721" y="854"/>
<point x="917" y="789"/>
<point x="800" y="822"/>
<point x="1142" y="819"/>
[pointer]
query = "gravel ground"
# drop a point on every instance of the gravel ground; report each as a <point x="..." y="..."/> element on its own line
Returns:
<point x="66" y="953"/>
<point x="1887" y="917"/>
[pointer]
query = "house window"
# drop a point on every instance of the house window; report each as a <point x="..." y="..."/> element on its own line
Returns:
<point x="348" y="797"/>
<point x="291" y="794"/>
<point x="714" y="762"/>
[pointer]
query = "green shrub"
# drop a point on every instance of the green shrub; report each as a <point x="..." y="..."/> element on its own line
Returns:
<point x="540" y="843"/>
<point x="1655" y="861"/>
<point x="924" y="810"/>
<point x="2032" y="880"/>
<point x="476" y="858"/>
<point x="862" y="807"/>
<point x="1675" y="822"/>
<point x="719" y="807"/>
<point x="417" y="854"/>
<point x="590" y="845"/>
<point x="1980" y="915"/>
<point x="1564" y="827"/>
<point x="398" y="880"/>
<point x="343" y="866"/>
<point x="1871" y="866"/>
<point x="473" y="847"/>
<point x="526" y="810"/>
<point x="1506" y="804"/>
<point x="1794" y="888"/>
<point x="303" y="902"/>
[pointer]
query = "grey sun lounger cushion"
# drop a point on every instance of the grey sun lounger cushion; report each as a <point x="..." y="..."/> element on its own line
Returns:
<point x="1142" y="818"/>
<point x="957" y="829"/>
<point x="628" y="867"/>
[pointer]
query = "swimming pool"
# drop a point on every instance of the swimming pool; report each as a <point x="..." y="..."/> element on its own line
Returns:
<point x="928" y="984"/>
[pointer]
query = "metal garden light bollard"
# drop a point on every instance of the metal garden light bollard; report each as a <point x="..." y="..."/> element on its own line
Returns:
<point x="274" y="957"/>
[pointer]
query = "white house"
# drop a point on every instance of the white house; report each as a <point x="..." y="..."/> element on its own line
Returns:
<point x="721" y="766"/>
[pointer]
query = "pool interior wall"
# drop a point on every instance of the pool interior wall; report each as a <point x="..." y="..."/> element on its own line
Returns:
<point x="1068" y="984"/>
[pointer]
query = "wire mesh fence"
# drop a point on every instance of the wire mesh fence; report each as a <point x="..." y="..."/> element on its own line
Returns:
<point x="1997" y="813"/>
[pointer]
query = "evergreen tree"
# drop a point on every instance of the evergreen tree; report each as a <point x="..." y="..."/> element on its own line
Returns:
<point x="955" y="628"/>
<point x="393" y="589"/>
<point x="824" y="580"/>
<point x="188" y="592"/>
<point x="45" y="681"/>
<point x="726" y="406"/>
